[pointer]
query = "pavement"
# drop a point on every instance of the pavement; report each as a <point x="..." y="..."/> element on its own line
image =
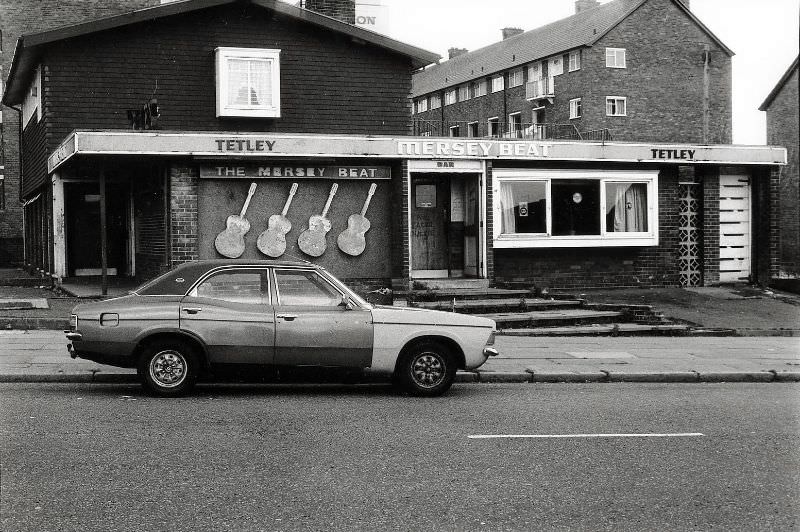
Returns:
<point x="41" y="356"/>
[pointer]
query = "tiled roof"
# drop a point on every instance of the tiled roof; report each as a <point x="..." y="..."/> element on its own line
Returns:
<point x="779" y="86"/>
<point x="581" y="29"/>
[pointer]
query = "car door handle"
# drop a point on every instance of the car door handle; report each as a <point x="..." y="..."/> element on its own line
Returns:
<point x="192" y="310"/>
<point x="288" y="317"/>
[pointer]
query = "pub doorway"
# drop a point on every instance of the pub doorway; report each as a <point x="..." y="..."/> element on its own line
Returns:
<point x="445" y="225"/>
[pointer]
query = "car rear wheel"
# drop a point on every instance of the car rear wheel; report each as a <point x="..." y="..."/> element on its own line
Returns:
<point x="426" y="369"/>
<point x="168" y="368"/>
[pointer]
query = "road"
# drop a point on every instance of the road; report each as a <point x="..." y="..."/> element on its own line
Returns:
<point x="107" y="457"/>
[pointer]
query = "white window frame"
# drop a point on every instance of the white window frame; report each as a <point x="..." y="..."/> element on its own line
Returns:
<point x="489" y="122"/>
<point x="470" y="127"/>
<point x="270" y="109"/>
<point x="514" y="118"/>
<point x="455" y="129"/>
<point x="516" y="78"/>
<point x="616" y="100"/>
<point x="498" y="83"/>
<point x="616" y="58"/>
<point x="555" y="66"/>
<point x="422" y="105"/>
<point x="436" y="102"/>
<point x="575" y="108"/>
<point x="574" y="60"/>
<point x="463" y="93"/>
<point x="605" y="238"/>
<point x="535" y="71"/>
<point x="479" y="88"/>
<point x="450" y="97"/>
<point x="32" y="104"/>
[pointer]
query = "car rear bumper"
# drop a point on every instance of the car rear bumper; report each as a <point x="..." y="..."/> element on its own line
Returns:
<point x="490" y="352"/>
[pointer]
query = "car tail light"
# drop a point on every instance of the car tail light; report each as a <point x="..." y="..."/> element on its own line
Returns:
<point x="73" y="322"/>
<point x="490" y="341"/>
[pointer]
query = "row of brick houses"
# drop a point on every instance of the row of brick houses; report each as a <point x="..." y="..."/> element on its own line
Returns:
<point x="143" y="132"/>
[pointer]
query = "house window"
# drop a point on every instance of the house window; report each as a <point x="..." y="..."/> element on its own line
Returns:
<point x="515" y="78"/>
<point x="436" y="101"/>
<point x="515" y="125"/>
<point x="463" y="93"/>
<point x="472" y="129"/>
<point x="574" y="60"/>
<point x="32" y="103"/>
<point x="615" y="58"/>
<point x="555" y="66"/>
<point x="535" y="72"/>
<point x="575" y="108"/>
<point x="248" y="82"/>
<point x="494" y="127"/>
<point x="497" y="84"/>
<point x="575" y="208"/>
<point x="455" y="131"/>
<point x="422" y="105"/>
<point x="616" y="106"/>
<point x="450" y="97"/>
<point x="479" y="88"/>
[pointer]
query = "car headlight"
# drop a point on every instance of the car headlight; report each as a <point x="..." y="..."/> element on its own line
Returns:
<point x="73" y="322"/>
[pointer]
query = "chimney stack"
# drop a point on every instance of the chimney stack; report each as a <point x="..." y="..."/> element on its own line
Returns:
<point x="510" y="32"/>
<point x="583" y="5"/>
<point x="686" y="3"/>
<point x="455" y="52"/>
<point x="344" y="10"/>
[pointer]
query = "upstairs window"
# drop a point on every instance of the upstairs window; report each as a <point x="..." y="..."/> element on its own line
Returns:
<point x="574" y="60"/>
<point x="32" y="104"/>
<point x="616" y="106"/>
<point x="615" y="58"/>
<point x="575" y="108"/>
<point x="248" y="82"/>
<point x="493" y="125"/>
<point x="535" y="72"/>
<point x="422" y="105"/>
<point x="498" y="84"/>
<point x="436" y="101"/>
<point x="472" y="129"/>
<point x="479" y="88"/>
<point x="463" y="93"/>
<point x="515" y="78"/>
<point x="555" y="66"/>
<point x="450" y="97"/>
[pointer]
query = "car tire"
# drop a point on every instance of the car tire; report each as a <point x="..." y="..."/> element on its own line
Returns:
<point x="426" y="369"/>
<point x="168" y="368"/>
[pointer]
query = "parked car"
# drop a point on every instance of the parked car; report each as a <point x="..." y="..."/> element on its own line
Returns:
<point x="205" y="317"/>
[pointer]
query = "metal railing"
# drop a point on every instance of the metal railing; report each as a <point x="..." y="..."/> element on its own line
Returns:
<point x="505" y="130"/>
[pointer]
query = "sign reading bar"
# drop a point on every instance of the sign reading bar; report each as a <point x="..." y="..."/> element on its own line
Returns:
<point x="293" y="171"/>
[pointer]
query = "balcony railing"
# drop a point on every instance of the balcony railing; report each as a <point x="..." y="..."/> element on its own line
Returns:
<point x="505" y="130"/>
<point x="538" y="89"/>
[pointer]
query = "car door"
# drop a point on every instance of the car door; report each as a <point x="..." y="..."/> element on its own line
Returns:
<point x="231" y="312"/>
<point x="313" y="327"/>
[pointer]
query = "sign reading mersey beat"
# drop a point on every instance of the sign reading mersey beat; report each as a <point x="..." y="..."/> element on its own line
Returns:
<point x="294" y="170"/>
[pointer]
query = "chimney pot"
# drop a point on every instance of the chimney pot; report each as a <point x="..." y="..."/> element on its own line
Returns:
<point x="344" y="10"/>
<point x="583" y="5"/>
<point x="510" y="32"/>
<point x="455" y="52"/>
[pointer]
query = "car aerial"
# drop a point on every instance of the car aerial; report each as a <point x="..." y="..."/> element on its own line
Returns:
<point x="205" y="318"/>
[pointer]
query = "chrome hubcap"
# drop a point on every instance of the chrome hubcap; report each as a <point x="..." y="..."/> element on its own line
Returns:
<point x="428" y="370"/>
<point x="168" y="368"/>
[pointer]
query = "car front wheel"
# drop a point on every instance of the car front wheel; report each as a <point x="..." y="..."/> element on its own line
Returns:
<point x="168" y="368"/>
<point x="426" y="369"/>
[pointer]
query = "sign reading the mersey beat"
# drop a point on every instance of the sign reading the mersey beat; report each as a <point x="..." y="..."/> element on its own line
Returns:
<point x="293" y="171"/>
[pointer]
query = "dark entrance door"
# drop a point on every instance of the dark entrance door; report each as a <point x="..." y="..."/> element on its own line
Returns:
<point x="430" y="216"/>
<point x="82" y="215"/>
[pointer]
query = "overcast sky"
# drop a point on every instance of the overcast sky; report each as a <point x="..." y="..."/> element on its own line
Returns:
<point x="762" y="33"/>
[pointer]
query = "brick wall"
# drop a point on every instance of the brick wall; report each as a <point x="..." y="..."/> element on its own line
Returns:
<point x="710" y="221"/>
<point x="344" y="10"/>
<point x="782" y="130"/>
<point x="183" y="214"/>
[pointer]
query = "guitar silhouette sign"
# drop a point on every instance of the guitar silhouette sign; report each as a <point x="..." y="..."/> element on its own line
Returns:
<point x="312" y="240"/>
<point x="272" y="242"/>
<point x="352" y="240"/>
<point x="230" y="242"/>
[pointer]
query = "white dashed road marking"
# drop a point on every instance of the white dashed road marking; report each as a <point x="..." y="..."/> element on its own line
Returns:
<point x="553" y="436"/>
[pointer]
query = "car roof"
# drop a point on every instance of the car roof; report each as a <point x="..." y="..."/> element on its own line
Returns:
<point x="177" y="281"/>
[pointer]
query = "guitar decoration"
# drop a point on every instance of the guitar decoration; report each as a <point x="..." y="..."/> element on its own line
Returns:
<point x="230" y="242"/>
<point x="352" y="240"/>
<point x="272" y="242"/>
<point x="312" y="240"/>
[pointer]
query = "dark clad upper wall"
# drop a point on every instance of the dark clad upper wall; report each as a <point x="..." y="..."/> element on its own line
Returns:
<point x="329" y="84"/>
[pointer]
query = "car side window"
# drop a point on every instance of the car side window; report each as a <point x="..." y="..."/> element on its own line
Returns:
<point x="305" y="288"/>
<point x="236" y="287"/>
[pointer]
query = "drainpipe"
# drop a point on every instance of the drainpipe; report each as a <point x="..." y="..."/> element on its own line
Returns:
<point x="706" y="103"/>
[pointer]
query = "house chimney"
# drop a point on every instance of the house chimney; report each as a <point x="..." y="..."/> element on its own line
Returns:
<point x="510" y="32"/>
<point x="583" y="5"/>
<point x="344" y="10"/>
<point x="686" y="3"/>
<point x="455" y="52"/>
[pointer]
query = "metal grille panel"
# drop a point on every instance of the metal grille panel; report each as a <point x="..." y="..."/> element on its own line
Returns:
<point x="690" y="249"/>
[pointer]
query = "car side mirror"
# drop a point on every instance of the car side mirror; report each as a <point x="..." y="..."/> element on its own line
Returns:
<point x="346" y="303"/>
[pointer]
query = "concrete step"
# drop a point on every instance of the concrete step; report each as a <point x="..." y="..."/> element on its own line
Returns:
<point x="553" y="318"/>
<point x="609" y="329"/>
<point x="464" y="294"/>
<point x="499" y="305"/>
<point x="451" y="284"/>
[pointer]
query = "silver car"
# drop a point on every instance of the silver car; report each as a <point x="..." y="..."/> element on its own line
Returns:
<point x="211" y="317"/>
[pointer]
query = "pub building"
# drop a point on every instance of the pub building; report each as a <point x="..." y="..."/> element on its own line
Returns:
<point x="256" y="129"/>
